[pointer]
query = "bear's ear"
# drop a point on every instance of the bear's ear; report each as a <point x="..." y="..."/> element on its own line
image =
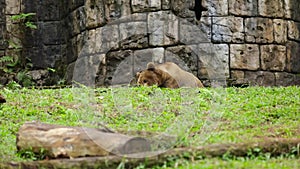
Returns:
<point x="137" y="75"/>
<point x="150" y="66"/>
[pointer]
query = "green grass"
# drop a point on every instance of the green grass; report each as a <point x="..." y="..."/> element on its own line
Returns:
<point x="197" y="116"/>
<point x="279" y="163"/>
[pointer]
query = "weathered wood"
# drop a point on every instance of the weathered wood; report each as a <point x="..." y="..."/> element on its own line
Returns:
<point x="60" y="141"/>
<point x="273" y="146"/>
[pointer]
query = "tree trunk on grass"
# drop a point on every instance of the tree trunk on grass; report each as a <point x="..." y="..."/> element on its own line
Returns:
<point x="77" y="142"/>
<point x="59" y="141"/>
<point x="274" y="147"/>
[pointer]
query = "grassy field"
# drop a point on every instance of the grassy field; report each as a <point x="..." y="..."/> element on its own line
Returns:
<point x="197" y="116"/>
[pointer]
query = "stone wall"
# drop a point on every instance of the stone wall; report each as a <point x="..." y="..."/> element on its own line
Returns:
<point x="254" y="42"/>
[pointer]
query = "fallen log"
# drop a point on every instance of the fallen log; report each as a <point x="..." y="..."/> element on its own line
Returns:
<point x="274" y="147"/>
<point x="70" y="142"/>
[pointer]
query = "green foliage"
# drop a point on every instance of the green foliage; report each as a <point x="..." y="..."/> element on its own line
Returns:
<point x="15" y="65"/>
<point x="25" y="18"/>
<point x="24" y="79"/>
<point x="51" y="69"/>
<point x="13" y="85"/>
<point x="22" y="16"/>
<point x="28" y="154"/>
<point x="248" y="114"/>
<point x="7" y="63"/>
<point x="6" y="59"/>
<point x="30" y="25"/>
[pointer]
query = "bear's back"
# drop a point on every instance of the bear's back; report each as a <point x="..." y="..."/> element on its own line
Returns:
<point x="183" y="78"/>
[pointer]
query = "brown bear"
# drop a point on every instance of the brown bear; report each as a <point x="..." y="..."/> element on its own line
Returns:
<point x="167" y="75"/>
<point x="153" y="76"/>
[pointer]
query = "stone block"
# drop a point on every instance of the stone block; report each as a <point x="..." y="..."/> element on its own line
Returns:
<point x="280" y="31"/>
<point x="259" y="30"/>
<point x="13" y="7"/>
<point x="210" y="60"/>
<point x="74" y="4"/>
<point x="112" y="10"/>
<point x="28" y="6"/>
<point x="95" y="15"/>
<point x="183" y="56"/>
<point x="34" y="37"/>
<point x="90" y="45"/>
<point x="260" y="78"/>
<point x="222" y="54"/>
<point x="244" y="56"/>
<point x="71" y="53"/>
<point x="36" y="56"/>
<point x="165" y="4"/>
<point x="205" y="26"/>
<point x="158" y="55"/>
<point x="86" y="68"/>
<point x="64" y="8"/>
<point x="145" y="6"/>
<point x="67" y="32"/>
<point x="2" y="12"/>
<point x="243" y="7"/>
<point x="191" y="34"/>
<point x="136" y="17"/>
<point x="69" y="73"/>
<point x="118" y="68"/>
<point x="107" y="38"/>
<point x="77" y="21"/>
<point x="285" y="79"/>
<point x="292" y="8"/>
<point x="181" y="9"/>
<point x="52" y="10"/>
<point x="63" y="56"/>
<point x="273" y="57"/>
<point x="51" y="55"/>
<point x="3" y="42"/>
<point x="38" y="74"/>
<point x="81" y="39"/>
<point x="13" y="32"/>
<point x="123" y="73"/>
<point x="125" y="7"/>
<point x="293" y="57"/>
<point x="294" y="30"/>
<point x="10" y="24"/>
<point x="216" y="7"/>
<point x="52" y="34"/>
<point x="228" y="29"/>
<point x="2" y="30"/>
<point x="237" y="77"/>
<point x="142" y="57"/>
<point x="297" y="80"/>
<point x="163" y="28"/>
<point x="274" y="8"/>
<point x="133" y="35"/>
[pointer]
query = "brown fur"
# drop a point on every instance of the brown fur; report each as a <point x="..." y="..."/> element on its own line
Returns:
<point x="167" y="75"/>
<point x="153" y="76"/>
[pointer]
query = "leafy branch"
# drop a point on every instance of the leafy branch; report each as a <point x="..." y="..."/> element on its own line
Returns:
<point x="14" y="64"/>
<point x="26" y="19"/>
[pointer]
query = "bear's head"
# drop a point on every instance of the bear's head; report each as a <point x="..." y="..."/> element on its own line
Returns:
<point x="154" y="76"/>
